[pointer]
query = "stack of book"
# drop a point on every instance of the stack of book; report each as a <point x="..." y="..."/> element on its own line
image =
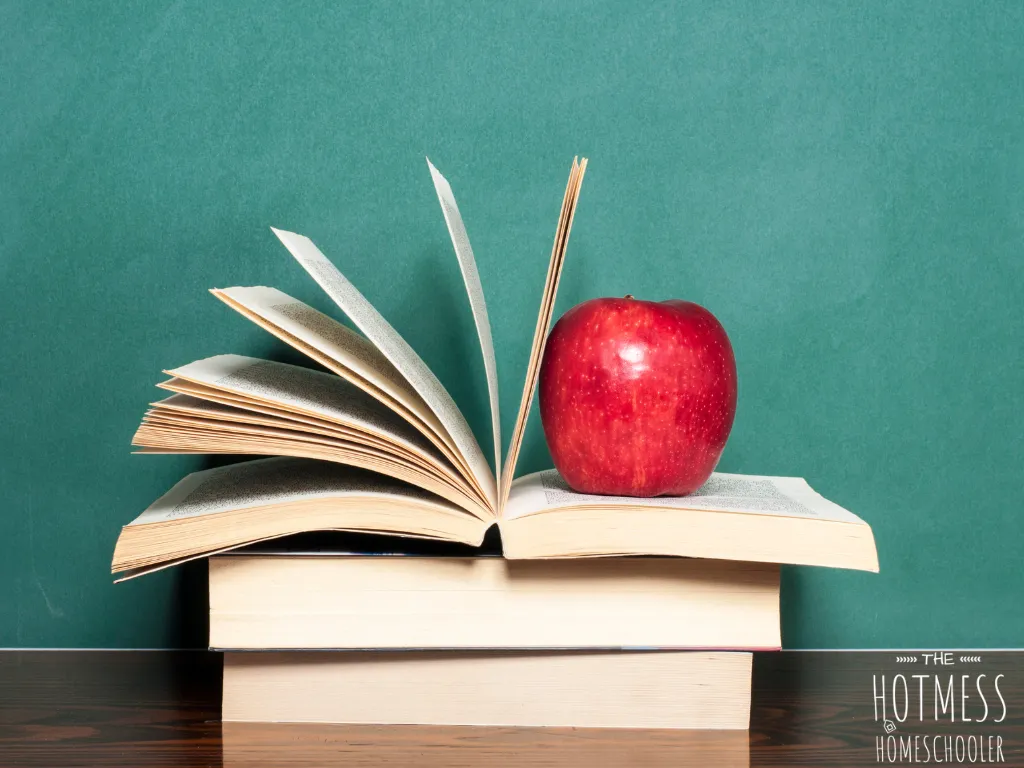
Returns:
<point x="524" y="603"/>
<point x="637" y="642"/>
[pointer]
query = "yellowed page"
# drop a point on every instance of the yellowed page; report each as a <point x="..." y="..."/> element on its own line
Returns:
<point x="197" y="435"/>
<point x="211" y="403"/>
<point x="347" y="354"/>
<point x="471" y="277"/>
<point x="732" y="517"/>
<point x="723" y="492"/>
<point x="242" y="411"/>
<point x="328" y="339"/>
<point x="397" y="351"/>
<point x="266" y="482"/>
<point x="540" y="335"/>
<point x="216" y="509"/>
<point x="306" y="390"/>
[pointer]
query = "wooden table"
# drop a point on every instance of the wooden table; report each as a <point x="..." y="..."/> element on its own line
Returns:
<point x="156" y="708"/>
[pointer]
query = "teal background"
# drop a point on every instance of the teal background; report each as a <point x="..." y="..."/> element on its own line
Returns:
<point x="842" y="184"/>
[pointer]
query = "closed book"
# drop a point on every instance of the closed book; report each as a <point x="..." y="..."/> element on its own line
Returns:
<point x="345" y="601"/>
<point x="315" y="745"/>
<point x="579" y="689"/>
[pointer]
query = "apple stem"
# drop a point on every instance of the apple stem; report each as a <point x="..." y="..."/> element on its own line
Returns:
<point x="628" y="296"/>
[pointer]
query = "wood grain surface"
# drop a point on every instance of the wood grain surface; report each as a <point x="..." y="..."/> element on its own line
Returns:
<point x="156" y="708"/>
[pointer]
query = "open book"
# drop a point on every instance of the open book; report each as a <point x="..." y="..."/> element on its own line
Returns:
<point x="379" y="445"/>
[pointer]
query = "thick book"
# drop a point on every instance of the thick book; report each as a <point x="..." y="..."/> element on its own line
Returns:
<point x="579" y="689"/>
<point x="376" y="443"/>
<point x="315" y="745"/>
<point x="354" y="601"/>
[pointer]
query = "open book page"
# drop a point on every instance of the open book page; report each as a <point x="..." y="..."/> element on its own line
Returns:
<point x="257" y="406"/>
<point x="310" y="329"/>
<point x="471" y="277"/>
<point x="188" y="410"/>
<point x="218" y="509"/>
<point x="189" y="395"/>
<point x="224" y="411"/>
<point x="748" y="494"/>
<point x="215" y="419"/>
<point x="267" y="482"/>
<point x="202" y="402"/>
<point x="307" y="391"/>
<point x="348" y="354"/>
<point x="396" y="350"/>
<point x="540" y="335"/>
<point x="209" y="433"/>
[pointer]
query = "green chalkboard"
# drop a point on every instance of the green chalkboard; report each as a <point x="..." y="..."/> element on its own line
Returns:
<point x="842" y="184"/>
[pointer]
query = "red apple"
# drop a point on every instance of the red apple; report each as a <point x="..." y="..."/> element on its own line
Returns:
<point x="637" y="398"/>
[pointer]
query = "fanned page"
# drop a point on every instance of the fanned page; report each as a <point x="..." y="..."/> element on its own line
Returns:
<point x="235" y="404"/>
<point x="305" y="391"/>
<point x="349" y="355"/>
<point x="397" y="351"/>
<point x="540" y="334"/>
<point x="329" y="343"/>
<point x="471" y="277"/>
